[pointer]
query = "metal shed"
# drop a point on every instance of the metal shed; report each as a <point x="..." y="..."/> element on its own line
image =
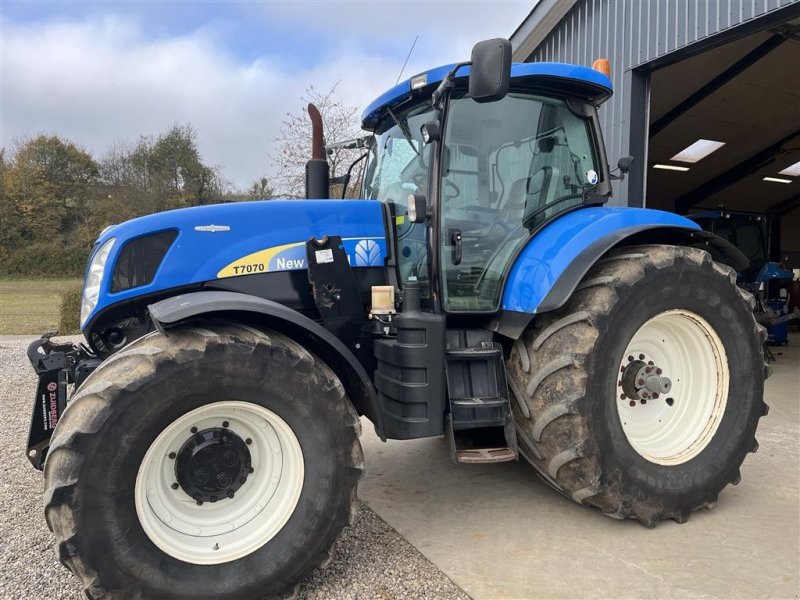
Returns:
<point x="726" y="70"/>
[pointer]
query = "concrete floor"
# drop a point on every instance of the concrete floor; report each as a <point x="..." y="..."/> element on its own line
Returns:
<point x="498" y="531"/>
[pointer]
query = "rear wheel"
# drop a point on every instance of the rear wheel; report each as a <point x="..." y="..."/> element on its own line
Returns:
<point x="641" y="396"/>
<point x="220" y="461"/>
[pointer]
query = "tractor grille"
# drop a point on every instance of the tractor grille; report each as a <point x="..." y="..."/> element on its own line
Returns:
<point x="139" y="260"/>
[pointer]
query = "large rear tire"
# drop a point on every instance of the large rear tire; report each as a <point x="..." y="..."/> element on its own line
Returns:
<point x="641" y="396"/>
<point x="220" y="461"/>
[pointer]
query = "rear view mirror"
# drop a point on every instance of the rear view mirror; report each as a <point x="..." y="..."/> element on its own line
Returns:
<point x="490" y="72"/>
<point x="417" y="208"/>
<point x="624" y="164"/>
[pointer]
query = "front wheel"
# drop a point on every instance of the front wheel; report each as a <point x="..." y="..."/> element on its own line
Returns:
<point x="218" y="462"/>
<point x="641" y="396"/>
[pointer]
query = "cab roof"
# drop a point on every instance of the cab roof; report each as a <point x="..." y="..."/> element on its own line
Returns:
<point x="573" y="79"/>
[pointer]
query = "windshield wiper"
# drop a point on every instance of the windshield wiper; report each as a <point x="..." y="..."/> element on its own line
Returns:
<point x="403" y="125"/>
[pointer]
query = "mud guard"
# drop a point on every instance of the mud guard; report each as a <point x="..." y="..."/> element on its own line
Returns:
<point x="550" y="266"/>
<point x="355" y="379"/>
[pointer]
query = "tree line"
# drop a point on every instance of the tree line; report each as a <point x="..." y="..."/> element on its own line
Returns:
<point x="55" y="197"/>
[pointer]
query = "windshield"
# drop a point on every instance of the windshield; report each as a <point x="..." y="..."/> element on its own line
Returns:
<point x="398" y="166"/>
<point x="508" y="166"/>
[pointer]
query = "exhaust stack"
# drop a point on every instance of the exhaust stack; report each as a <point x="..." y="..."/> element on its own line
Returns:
<point x="317" y="175"/>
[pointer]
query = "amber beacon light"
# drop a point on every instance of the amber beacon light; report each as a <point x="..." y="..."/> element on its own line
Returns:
<point x="602" y="65"/>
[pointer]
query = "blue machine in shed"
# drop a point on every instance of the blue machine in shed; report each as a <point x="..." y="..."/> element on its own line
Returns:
<point x="478" y="290"/>
<point x="769" y="281"/>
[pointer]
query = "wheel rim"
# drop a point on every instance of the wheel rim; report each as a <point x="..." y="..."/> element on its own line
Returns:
<point x="672" y="417"/>
<point x="202" y="531"/>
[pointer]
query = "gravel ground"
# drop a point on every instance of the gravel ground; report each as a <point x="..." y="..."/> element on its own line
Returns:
<point x="371" y="559"/>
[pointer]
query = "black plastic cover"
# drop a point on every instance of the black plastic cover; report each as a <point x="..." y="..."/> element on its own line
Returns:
<point x="410" y="377"/>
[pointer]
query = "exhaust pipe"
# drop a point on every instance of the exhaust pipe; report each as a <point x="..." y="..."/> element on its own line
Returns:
<point x="317" y="175"/>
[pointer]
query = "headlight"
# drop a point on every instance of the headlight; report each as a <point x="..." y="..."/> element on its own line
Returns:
<point x="94" y="277"/>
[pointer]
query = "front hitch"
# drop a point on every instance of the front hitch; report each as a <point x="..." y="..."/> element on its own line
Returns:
<point x="58" y="366"/>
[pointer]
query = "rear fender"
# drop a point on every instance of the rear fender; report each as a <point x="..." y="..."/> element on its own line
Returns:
<point x="549" y="268"/>
<point x="259" y="311"/>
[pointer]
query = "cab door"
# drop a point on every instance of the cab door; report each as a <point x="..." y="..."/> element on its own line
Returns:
<point x="507" y="167"/>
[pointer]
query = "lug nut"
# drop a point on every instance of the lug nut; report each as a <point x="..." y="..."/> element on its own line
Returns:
<point x="230" y="493"/>
<point x="175" y="486"/>
<point x="630" y="358"/>
<point x="648" y="369"/>
<point x="252" y="470"/>
<point x="242" y="479"/>
<point x="641" y="357"/>
<point x="641" y="382"/>
<point x="622" y="396"/>
<point x="670" y="401"/>
<point x="213" y="498"/>
<point x="644" y="401"/>
<point x="658" y="371"/>
<point x="248" y="441"/>
<point x="198" y="499"/>
<point x="633" y="403"/>
<point x="225" y="423"/>
<point x="655" y="396"/>
<point x="172" y="455"/>
<point x="193" y="430"/>
<point x="650" y="362"/>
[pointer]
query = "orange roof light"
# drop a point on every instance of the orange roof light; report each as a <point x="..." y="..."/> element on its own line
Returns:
<point x="601" y="64"/>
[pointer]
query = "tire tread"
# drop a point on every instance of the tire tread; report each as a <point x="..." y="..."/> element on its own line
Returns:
<point x="127" y="370"/>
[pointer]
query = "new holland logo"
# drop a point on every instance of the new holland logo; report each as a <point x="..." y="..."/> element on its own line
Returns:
<point x="212" y="228"/>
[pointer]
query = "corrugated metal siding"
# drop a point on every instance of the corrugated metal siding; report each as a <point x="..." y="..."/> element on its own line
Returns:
<point x="631" y="33"/>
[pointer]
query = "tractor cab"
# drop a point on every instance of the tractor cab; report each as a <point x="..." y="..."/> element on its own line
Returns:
<point x="487" y="174"/>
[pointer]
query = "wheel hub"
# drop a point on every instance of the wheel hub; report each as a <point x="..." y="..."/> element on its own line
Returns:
<point x="642" y="381"/>
<point x="212" y="464"/>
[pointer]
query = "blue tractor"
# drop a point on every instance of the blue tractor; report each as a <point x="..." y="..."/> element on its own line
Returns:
<point x="479" y="290"/>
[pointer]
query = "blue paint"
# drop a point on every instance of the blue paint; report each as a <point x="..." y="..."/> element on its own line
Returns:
<point x="773" y="270"/>
<point x="596" y="83"/>
<point x="549" y="253"/>
<point x="198" y="256"/>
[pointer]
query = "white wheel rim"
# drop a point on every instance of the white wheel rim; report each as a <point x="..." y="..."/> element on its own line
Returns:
<point x="673" y="428"/>
<point x="226" y="530"/>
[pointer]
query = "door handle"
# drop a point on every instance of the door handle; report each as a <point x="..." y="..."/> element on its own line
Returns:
<point x="455" y="241"/>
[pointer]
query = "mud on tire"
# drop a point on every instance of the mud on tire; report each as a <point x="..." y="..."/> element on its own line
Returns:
<point x="565" y="369"/>
<point x="97" y="449"/>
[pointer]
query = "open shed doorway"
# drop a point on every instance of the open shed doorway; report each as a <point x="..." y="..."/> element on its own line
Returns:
<point x="744" y="95"/>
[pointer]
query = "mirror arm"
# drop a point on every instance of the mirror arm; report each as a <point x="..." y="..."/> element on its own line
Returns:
<point x="437" y="99"/>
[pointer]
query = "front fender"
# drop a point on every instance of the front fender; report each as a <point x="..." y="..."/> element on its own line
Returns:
<point x="550" y="266"/>
<point x="320" y="341"/>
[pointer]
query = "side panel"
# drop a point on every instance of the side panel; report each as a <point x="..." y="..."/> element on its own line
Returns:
<point x="576" y="238"/>
<point x="228" y="241"/>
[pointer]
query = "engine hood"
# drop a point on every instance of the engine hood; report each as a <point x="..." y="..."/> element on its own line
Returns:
<point x="245" y="238"/>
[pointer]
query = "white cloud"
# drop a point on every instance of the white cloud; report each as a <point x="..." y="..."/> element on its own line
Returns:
<point x="103" y="80"/>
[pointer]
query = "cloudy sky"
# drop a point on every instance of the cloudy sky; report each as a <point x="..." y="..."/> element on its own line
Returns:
<point x="101" y="72"/>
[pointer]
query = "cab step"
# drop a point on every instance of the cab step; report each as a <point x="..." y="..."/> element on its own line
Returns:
<point x="479" y="426"/>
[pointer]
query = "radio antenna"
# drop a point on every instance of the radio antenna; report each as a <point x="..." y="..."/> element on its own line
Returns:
<point x="407" y="57"/>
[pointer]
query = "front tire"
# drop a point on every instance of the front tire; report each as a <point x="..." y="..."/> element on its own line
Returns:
<point x="641" y="396"/>
<point x="218" y="462"/>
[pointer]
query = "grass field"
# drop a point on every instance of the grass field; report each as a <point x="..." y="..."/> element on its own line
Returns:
<point x="31" y="306"/>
